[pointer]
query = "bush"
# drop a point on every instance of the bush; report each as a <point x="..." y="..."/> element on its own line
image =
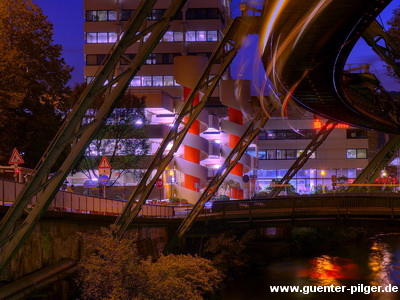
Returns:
<point x="114" y="270"/>
<point x="222" y="198"/>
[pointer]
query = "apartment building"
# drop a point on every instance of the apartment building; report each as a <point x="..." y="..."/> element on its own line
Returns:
<point x="166" y="79"/>
<point x="344" y="154"/>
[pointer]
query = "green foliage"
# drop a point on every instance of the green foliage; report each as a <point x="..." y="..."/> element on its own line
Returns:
<point x="226" y="252"/>
<point x="111" y="271"/>
<point x="262" y="193"/>
<point x="33" y="81"/>
<point x="176" y="201"/>
<point x="121" y="138"/>
<point x="394" y="32"/>
<point x="222" y="198"/>
<point x="179" y="277"/>
<point x="114" y="270"/>
<point x="227" y="185"/>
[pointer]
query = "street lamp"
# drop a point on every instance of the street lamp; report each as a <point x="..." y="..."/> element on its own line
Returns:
<point x="323" y="173"/>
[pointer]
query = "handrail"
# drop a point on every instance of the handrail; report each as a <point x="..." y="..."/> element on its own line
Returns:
<point x="78" y="203"/>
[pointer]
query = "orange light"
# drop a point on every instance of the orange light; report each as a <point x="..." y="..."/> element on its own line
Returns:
<point x="317" y="124"/>
<point x="323" y="173"/>
<point x="171" y="173"/>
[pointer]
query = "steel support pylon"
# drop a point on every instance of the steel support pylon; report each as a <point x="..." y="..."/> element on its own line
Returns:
<point x="314" y="144"/>
<point x="377" y="164"/>
<point x="253" y="129"/>
<point x="109" y="81"/>
<point x="389" y="52"/>
<point x="221" y="59"/>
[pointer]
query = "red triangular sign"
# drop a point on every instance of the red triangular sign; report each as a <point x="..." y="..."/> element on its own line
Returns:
<point x="104" y="164"/>
<point x="16" y="158"/>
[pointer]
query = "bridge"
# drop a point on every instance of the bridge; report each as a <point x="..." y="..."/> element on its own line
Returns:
<point x="305" y="63"/>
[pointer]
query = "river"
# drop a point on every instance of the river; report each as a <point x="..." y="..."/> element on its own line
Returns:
<point x="357" y="266"/>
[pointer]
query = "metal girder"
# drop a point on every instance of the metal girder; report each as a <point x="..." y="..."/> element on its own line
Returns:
<point x="103" y="81"/>
<point x="317" y="141"/>
<point x="253" y="129"/>
<point x="389" y="52"/>
<point x="379" y="162"/>
<point x="221" y="58"/>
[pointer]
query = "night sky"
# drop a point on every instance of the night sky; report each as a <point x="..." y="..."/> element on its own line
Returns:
<point x="68" y="17"/>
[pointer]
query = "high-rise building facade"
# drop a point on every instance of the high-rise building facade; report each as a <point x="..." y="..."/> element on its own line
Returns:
<point x="166" y="79"/>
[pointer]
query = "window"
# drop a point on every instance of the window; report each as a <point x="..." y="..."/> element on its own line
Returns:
<point x="151" y="60"/>
<point x="191" y="36"/>
<point x="178" y="36"/>
<point x="101" y="15"/>
<point x="156" y="14"/>
<point x="299" y="152"/>
<point x="91" y="37"/>
<point x="251" y="151"/>
<point x="147" y="81"/>
<point x="262" y="154"/>
<point x="212" y="36"/>
<point x="168" y="80"/>
<point x="271" y="154"/>
<point x="356" y="153"/>
<point x="168" y="36"/>
<point x="126" y="14"/>
<point x="280" y="154"/>
<point x="112" y="15"/>
<point x="136" y="81"/>
<point x="95" y="59"/>
<point x="202" y="13"/>
<point x="156" y="80"/>
<point x="101" y="37"/>
<point x="201" y="35"/>
<point x="356" y="134"/>
<point x="291" y="154"/>
<point x="287" y="134"/>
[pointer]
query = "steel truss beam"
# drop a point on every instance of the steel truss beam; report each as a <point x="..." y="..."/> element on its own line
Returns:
<point x="317" y="141"/>
<point x="380" y="161"/>
<point x="107" y="80"/>
<point x="253" y="129"/>
<point x="390" y="52"/>
<point x="221" y="58"/>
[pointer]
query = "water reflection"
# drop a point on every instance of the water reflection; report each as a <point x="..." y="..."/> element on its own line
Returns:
<point x="328" y="270"/>
<point x="363" y="264"/>
<point x="380" y="264"/>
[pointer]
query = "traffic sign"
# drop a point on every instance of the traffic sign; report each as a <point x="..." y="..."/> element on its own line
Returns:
<point x="104" y="179"/>
<point x="159" y="183"/>
<point x="16" y="158"/>
<point x="104" y="164"/>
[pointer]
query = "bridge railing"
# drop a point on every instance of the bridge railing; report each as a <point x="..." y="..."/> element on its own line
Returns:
<point x="78" y="203"/>
<point x="389" y="203"/>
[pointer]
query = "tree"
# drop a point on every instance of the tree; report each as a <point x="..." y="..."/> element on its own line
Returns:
<point x="394" y="32"/>
<point x="121" y="138"/>
<point x="33" y="81"/>
<point x="114" y="270"/>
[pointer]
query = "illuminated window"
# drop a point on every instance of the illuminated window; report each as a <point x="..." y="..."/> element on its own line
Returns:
<point x="212" y="36"/>
<point x="356" y="153"/>
<point x="178" y="36"/>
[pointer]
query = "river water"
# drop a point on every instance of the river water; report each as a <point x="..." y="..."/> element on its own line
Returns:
<point x="358" y="266"/>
